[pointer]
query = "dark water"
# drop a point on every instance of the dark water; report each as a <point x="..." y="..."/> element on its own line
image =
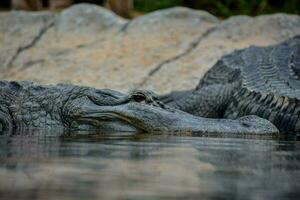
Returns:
<point x="149" y="167"/>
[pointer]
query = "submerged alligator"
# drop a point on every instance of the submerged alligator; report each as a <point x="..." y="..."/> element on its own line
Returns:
<point x="261" y="81"/>
<point x="257" y="81"/>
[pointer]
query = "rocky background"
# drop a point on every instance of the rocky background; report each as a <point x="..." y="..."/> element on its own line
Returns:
<point x="165" y="50"/>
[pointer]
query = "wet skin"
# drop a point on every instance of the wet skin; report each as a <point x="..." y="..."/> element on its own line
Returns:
<point x="27" y="106"/>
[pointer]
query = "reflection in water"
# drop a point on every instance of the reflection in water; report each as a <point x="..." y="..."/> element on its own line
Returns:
<point x="148" y="167"/>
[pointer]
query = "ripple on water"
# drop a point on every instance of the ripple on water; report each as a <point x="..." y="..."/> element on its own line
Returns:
<point x="148" y="167"/>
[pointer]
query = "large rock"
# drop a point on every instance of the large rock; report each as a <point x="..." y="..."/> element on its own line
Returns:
<point x="165" y="50"/>
<point x="19" y="31"/>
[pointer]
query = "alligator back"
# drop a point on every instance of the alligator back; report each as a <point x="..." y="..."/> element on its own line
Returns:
<point x="269" y="80"/>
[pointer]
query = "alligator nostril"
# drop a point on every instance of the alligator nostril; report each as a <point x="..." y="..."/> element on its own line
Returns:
<point x="245" y="124"/>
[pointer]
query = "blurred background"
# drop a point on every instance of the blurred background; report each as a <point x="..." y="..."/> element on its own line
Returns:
<point x="133" y="8"/>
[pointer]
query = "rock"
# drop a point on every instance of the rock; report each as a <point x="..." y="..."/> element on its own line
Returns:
<point x="19" y="31"/>
<point x="87" y="19"/>
<point x="234" y="33"/>
<point x="164" y="50"/>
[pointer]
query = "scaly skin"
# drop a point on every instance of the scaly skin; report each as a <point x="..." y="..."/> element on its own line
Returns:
<point x="25" y="106"/>
<point x="262" y="81"/>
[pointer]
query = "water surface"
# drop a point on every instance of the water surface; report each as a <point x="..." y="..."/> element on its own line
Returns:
<point x="149" y="167"/>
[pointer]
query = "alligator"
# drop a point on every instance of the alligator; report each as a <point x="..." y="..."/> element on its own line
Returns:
<point x="261" y="81"/>
<point x="25" y="106"/>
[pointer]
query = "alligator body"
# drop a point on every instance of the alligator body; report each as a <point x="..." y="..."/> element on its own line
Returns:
<point x="262" y="81"/>
<point x="25" y="107"/>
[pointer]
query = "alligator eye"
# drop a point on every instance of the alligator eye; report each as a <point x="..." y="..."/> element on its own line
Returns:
<point x="138" y="97"/>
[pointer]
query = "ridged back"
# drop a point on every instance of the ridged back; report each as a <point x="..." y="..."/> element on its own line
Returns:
<point x="269" y="79"/>
<point x="273" y="69"/>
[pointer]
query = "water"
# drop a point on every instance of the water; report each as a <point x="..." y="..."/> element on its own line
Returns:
<point x="149" y="167"/>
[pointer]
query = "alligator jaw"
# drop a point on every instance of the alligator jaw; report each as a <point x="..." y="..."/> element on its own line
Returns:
<point x="138" y="117"/>
<point x="105" y="122"/>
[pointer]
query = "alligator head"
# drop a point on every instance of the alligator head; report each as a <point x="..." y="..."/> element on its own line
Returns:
<point x="141" y="112"/>
<point x="109" y="110"/>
